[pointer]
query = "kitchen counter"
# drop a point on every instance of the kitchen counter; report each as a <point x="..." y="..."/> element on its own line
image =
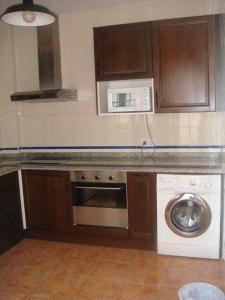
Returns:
<point x="203" y="163"/>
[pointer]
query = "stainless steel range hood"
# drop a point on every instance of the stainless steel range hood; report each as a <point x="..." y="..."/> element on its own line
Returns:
<point x="49" y="61"/>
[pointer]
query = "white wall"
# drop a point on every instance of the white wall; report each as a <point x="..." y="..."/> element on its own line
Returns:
<point x="76" y="124"/>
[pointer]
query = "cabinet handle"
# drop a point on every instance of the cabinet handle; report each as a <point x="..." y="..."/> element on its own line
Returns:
<point x="156" y="99"/>
<point x="67" y="184"/>
<point x="98" y="68"/>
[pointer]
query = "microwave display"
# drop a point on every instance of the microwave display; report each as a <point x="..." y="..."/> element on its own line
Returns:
<point x="129" y="99"/>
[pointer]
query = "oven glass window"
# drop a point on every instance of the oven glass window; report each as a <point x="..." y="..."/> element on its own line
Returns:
<point x="100" y="195"/>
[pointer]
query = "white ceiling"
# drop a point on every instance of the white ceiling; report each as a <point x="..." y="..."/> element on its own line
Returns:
<point x="63" y="6"/>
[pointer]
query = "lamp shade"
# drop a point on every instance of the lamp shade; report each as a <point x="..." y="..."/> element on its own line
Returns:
<point x="28" y="14"/>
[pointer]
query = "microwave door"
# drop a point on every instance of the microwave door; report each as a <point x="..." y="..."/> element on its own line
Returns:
<point x="129" y="100"/>
<point x="122" y="100"/>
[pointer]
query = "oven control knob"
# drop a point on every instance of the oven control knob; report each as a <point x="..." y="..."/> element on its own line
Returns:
<point x="83" y="177"/>
<point x="111" y="178"/>
<point x="97" y="177"/>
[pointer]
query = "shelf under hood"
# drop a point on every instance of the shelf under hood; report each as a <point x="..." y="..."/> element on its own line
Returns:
<point x="56" y="94"/>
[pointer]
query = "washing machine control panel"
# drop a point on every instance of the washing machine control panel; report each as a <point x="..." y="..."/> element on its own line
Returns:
<point x="188" y="183"/>
<point x="199" y="184"/>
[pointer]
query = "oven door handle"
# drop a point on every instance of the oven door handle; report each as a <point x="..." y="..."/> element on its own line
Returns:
<point x="98" y="188"/>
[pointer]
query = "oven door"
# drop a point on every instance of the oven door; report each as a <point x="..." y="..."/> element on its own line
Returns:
<point x="100" y="204"/>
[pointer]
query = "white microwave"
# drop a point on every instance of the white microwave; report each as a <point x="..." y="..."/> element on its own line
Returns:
<point x="126" y="96"/>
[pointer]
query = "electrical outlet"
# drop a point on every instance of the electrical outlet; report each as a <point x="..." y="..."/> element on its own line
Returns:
<point x="146" y="143"/>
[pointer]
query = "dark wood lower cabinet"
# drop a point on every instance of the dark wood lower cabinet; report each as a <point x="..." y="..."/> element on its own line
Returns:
<point x="47" y="199"/>
<point x="11" y="226"/>
<point x="142" y="205"/>
<point x="49" y="212"/>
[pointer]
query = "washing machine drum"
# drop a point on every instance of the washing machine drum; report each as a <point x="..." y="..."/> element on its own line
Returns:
<point x="188" y="215"/>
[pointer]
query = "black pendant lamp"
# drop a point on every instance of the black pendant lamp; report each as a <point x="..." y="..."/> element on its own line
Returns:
<point x="28" y="14"/>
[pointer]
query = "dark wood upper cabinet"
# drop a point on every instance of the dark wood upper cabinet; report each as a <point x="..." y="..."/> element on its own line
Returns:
<point x="11" y="226"/>
<point x="183" y="63"/>
<point x="123" y="51"/>
<point x="142" y="205"/>
<point x="47" y="199"/>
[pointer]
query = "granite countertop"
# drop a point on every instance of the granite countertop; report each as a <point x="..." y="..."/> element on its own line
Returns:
<point x="160" y="163"/>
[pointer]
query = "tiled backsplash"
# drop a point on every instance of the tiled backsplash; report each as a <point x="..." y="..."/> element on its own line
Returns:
<point x="76" y="124"/>
<point x="45" y="129"/>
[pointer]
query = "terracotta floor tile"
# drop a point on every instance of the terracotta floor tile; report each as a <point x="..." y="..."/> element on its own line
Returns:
<point x="14" y="258"/>
<point x="27" y="278"/>
<point x="42" y="270"/>
<point x="62" y="283"/>
<point x="199" y="265"/>
<point x="78" y="265"/>
<point x="112" y="269"/>
<point x="23" y="254"/>
<point x="120" y="254"/>
<point x="12" y="293"/>
<point x="48" y="296"/>
<point x="133" y="291"/>
<point x="168" y="293"/>
<point x="31" y="246"/>
<point x="6" y="273"/>
<point x="59" y="249"/>
<point x="138" y="256"/>
<point x="90" y="251"/>
<point x="44" y="262"/>
<point x="177" y="277"/>
<point x="147" y="274"/>
<point x="98" y="289"/>
<point x="152" y="258"/>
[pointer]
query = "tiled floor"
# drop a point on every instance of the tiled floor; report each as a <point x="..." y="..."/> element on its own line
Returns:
<point x="41" y="270"/>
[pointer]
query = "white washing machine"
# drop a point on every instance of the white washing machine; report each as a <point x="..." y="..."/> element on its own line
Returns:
<point x="188" y="215"/>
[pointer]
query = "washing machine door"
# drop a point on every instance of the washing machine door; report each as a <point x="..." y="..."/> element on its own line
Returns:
<point x="188" y="215"/>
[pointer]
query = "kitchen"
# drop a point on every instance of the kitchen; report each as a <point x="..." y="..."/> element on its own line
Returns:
<point x="57" y="145"/>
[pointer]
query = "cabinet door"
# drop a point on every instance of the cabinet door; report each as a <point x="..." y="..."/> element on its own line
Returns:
<point x="11" y="227"/>
<point x="123" y="51"/>
<point x="142" y="205"/>
<point x="47" y="198"/>
<point x="183" y="64"/>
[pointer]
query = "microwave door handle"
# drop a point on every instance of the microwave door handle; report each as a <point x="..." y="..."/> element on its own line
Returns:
<point x="98" y="188"/>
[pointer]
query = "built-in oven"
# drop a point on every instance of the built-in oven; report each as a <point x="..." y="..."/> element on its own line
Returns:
<point x="99" y="198"/>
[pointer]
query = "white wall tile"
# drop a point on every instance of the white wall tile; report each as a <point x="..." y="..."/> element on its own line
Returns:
<point x="180" y="120"/>
<point x="80" y="138"/>
<point x="199" y="120"/>
<point x="30" y="138"/>
<point x="110" y="122"/>
<point x="112" y="137"/>
<point x="95" y="137"/>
